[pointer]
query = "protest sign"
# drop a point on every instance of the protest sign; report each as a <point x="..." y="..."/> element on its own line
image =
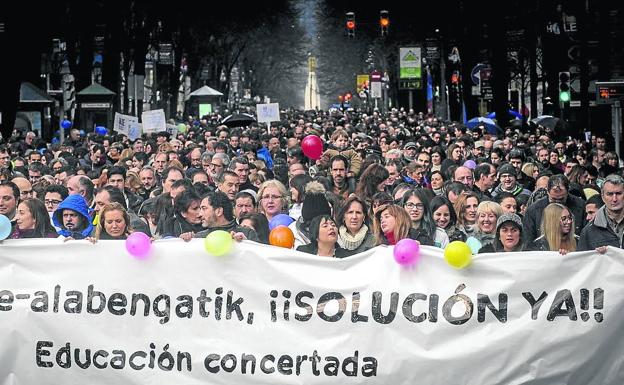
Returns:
<point x="123" y="122"/>
<point x="153" y="121"/>
<point x="80" y="313"/>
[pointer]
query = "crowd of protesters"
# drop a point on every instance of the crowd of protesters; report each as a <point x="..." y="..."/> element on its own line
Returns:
<point x="381" y="178"/>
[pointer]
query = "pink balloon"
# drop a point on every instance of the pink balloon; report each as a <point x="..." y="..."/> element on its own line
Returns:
<point x="138" y="245"/>
<point x="312" y="147"/>
<point x="407" y="252"/>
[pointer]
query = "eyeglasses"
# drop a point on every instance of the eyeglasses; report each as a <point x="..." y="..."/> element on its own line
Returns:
<point x="215" y="165"/>
<point x="51" y="202"/>
<point x="410" y="206"/>
<point x="569" y="218"/>
<point x="271" y="197"/>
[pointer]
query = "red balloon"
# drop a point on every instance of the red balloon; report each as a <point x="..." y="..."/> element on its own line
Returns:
<point x="282" y="236"/>
<point x="312" y="147"/>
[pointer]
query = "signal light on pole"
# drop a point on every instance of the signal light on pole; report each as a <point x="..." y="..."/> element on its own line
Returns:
<point x="384" y="22"/>
<point x="351" y="24"/>
<point x="348" y="96"/>
<point x="564" y="87"/>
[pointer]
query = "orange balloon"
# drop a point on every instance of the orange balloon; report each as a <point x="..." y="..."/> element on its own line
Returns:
<point x="282" y="236"/>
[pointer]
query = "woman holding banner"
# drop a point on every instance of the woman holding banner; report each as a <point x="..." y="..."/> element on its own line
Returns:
<point x="353" y="233"/>
<point x="114" y="223"/>
<point x="324" y="238"/>
<point x="466" y="209"/>
<point x="32" y="221"/>
<point x="391" y="224"/>
<point x="508" y="235"/>
<point x="557" y="229"/>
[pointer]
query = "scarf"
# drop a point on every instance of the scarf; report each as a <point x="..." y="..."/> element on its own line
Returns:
<point x="351" y="242"/>
<point x="390" y="238"/>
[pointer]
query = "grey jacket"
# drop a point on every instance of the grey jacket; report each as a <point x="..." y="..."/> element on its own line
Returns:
<point x="598" y="233"/>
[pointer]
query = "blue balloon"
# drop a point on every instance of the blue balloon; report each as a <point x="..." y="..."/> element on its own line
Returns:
<point x="55" y="140"/>
<point x="66" y="124"/>
<point x="5" y="227"/>
<point x="101" y="130"/>
<point x="280" y="220"/>
<point x="82" y="132"/>
<point x="474" y="244"/>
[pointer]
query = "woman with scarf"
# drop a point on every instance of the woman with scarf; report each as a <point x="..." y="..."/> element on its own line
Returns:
<point x="466" y="210"/>
<point x="487" y="215"/>
<point x="354" y="234"/>
<point x="391" y="224"/>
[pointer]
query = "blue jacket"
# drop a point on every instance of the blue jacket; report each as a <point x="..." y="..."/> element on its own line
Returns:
<point x="78" y="204"/>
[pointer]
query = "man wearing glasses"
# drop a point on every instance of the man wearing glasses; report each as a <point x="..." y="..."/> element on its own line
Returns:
<point x="54" y="195"/>
<point x="558" y="187"/>
<point x="218" y="163"/>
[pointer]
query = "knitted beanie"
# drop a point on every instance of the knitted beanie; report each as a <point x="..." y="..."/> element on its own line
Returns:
<point x="314" y="202"/>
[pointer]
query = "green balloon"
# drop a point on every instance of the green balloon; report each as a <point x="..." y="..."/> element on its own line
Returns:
<point x="182" y="128"/>
<point x="458" y="254"/>
<point x="218" y="243"/>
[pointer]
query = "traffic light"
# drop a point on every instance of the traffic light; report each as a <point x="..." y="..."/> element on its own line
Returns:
<point x="348" y="96"/>
<point x="564" y="87"/>
<point x="350" y="24"/>
<point x="384" y="22"/>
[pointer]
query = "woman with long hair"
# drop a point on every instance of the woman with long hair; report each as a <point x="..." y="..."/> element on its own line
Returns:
<point x="32" y="221"/>
<point x="444" y="217"/>
<point x="487" y="215"/>
<point x="466" y="210"/>
<point x="391" y="224"/>
<point x="352" y="219"/>
<point x="416" y="205"/>
<point x="272" y="199"/>
<point x="324" y="238"/>
<point x="558" y="230"/>
<point x="372" y="181"/>
<point x="114" y="222"/>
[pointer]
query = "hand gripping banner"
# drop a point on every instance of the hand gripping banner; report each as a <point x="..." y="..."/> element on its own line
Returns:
<point x="78" y="313"/>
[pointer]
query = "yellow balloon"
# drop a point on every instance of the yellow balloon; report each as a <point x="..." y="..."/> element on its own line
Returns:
<point x="218" y="243"/>
<point x="458" y="254"/>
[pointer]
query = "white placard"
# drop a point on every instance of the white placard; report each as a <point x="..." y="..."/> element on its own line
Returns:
<point x="135" y="130"/>
<point x="268" y="112"/>
<point x="122" y="123"/>
<point x="182" y="316"/>
<point x="153" y="121"/>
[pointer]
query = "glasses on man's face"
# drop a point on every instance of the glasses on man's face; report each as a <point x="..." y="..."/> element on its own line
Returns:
<point x="51" y="202"/>
<point x="214" y="165"/>
<point x="411" y="206"/>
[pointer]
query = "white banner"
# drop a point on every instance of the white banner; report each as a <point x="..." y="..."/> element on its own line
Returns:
<point x="153" y="121"/>
<point x="77" y="313"/>
<point x="123" y="122"/>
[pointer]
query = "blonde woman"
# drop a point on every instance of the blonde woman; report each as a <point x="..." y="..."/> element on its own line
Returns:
<point x="272" y="199"/>
<point x="487" y="214"/>
<point x="531" y="170"/>
<point x="557" y="229"/>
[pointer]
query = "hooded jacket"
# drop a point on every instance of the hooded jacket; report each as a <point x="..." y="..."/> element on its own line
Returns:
<point x="78" y="204"/>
